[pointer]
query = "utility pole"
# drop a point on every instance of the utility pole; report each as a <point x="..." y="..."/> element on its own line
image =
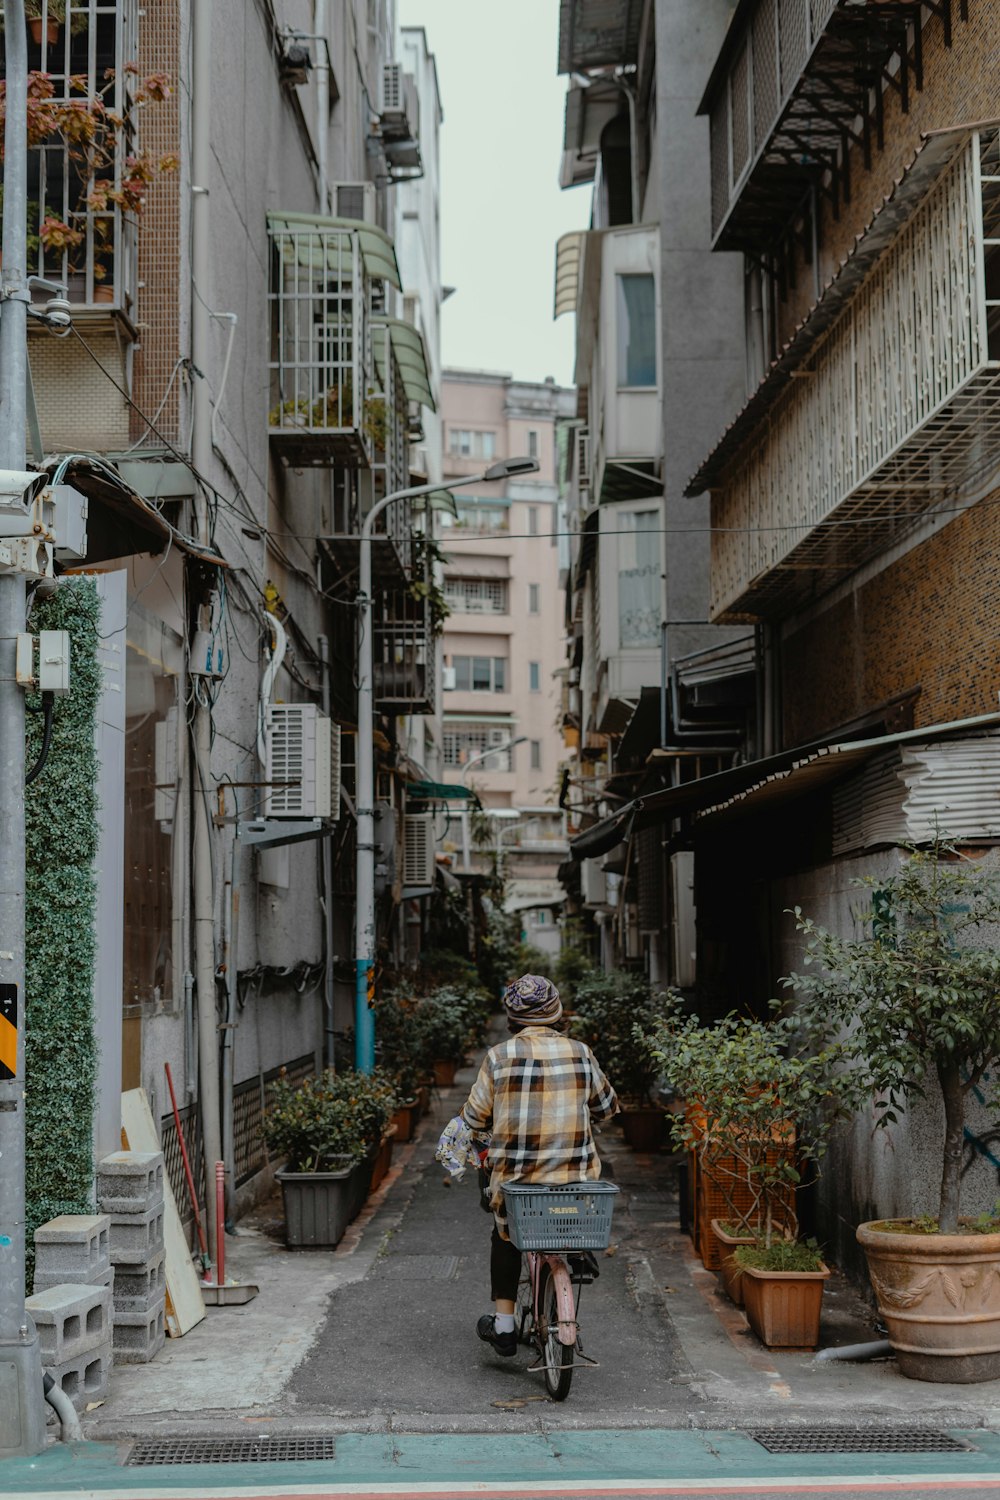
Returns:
<point x="22" y="1406"/>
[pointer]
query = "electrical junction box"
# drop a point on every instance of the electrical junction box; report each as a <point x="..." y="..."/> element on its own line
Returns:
<point x="69" y="521"/>
<point x="206" y="655"/>
<point x="53" y="661"/>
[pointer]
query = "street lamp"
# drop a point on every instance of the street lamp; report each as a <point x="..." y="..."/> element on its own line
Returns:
<point x="474" y="760"/>
<point x="364" y="942"/>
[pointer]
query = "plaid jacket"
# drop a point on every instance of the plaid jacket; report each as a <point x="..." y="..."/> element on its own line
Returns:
<point x="538" y="1092"/>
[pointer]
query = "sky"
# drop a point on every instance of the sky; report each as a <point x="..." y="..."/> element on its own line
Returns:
<point x="502" y="209"/>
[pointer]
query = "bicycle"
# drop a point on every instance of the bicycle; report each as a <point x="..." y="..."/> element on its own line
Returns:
<point x="557" y="1227"/>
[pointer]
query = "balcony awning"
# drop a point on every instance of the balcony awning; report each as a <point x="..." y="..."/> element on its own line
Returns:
<point x="378" y="254"/>
<point x="438" y="500"/>
<point x="411" y="357"/>
<point x="588" y="111"/>
<point x="598" y="33"/>
<point x="122" y="523"/>
<point x="749" y="787"/>
<point x="569" y="250"/>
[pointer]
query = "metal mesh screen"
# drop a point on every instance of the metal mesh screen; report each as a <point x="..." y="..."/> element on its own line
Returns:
<point x="764" y="45"/>
<point x="837" y="1440"/>
<point x="821" y="11"/>
<point x="740" y="93"/>
<point x="793" y="42"/>
<point x="649" y="879"/>
<point x="174" y="1162"/>
<point x="255" y="1450"/>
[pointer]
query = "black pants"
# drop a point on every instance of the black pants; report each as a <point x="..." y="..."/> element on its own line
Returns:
<point x="505" y="1268"/>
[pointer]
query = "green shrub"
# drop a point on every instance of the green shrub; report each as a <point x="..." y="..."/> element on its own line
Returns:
<point x="617" y="1014"/>
<point x="314" y="1125"/>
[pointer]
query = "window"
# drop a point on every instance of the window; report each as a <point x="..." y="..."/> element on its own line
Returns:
<point x="532" y="444"/>
<point x="462" y="741"/>
<point x="480" y="674"/>
<point x="463" y="443"/>
<point x="536" y="755"/>
<point x="636" y="331"/>
<point x="532" y="598"/>
<point x="532" y="520"/>
<point x="478" y="516"/>
<point x="534" y="676"/>
<point x="477" y="596"/>
<point x="638" y="577"/>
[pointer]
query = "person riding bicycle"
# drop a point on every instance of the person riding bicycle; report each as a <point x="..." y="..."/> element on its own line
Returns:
<point x="537" y="1093"/>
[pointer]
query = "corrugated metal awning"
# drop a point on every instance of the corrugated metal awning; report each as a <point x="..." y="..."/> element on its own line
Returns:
<point x="378" y="253"/>
<point x="569" y="248"/>
<point x="750" y="787"/>
<point x="411" y="357"/>
<point x="936" y="150"/>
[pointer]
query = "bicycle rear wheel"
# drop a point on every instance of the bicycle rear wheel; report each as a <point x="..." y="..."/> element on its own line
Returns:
<point x="557" y="1355"/>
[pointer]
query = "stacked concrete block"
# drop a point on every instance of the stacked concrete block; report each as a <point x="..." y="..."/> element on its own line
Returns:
<point x="130" y="1190"/>
<point x="72" y="1305"/>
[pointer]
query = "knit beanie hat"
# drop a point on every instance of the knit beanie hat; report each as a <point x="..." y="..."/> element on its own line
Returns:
<point x="532" y="1001"/>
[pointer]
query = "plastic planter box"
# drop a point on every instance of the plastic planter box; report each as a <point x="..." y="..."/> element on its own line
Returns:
<point x="320" y="1205"/>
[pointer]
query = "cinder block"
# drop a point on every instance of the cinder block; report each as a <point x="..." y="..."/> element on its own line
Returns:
<point x="85" y="1378"/>
<point x="74" y="1248"/>
<point x="45" y="1280"/>
<point x="136" y="1238"/>
<point x="137" y="1337"/>
<point x="130" y="1182"/>
<point x="71" y="1320"/>
<point x="138" y="1288"/>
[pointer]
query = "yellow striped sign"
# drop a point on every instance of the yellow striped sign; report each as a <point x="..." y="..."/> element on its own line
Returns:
<point x="8" y="1031"/>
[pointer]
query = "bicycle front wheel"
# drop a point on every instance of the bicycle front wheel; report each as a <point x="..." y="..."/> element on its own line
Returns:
<point x="558" y="1356"/>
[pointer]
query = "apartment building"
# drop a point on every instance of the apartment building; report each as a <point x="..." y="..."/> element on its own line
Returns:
<point x="502" y="645"/>
<point x="853" y="487"/>
<point x="249" y="365"/>
<point x="655" y="693"/>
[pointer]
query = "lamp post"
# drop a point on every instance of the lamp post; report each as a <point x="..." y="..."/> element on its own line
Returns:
<point x="364" y="944"/>
<point x="475" y="760"/>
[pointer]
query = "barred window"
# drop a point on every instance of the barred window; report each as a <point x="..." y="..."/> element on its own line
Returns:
<point x="486" y="596"/>
<point x="463" y="741"/>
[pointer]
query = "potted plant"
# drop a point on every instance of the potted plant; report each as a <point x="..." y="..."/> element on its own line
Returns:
<point x="766" y="1100"/>
<point x="107" y="177"/>
<point x="917" y="996"/>
<point x="328" y="1129"/>
<point x="617" y="1016"/>
<point x="399" y="1042"/>
<point x="450" y="1021"/>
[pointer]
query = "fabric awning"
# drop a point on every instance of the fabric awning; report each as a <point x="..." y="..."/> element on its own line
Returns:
<point x="436" y="500"/>
<point x="747" y="787"/>
<point x="411" y="357"/>
<point x="569" y="248"/>
<point x="378" y="252"/>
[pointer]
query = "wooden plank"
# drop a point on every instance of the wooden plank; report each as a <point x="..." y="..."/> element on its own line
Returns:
<point x="185" y="1304"/>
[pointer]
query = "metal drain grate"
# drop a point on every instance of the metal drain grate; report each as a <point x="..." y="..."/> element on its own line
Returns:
<point x="417" y="1268"/>
<point x="837" y="1440"/>
<point x="245" y="1450"/>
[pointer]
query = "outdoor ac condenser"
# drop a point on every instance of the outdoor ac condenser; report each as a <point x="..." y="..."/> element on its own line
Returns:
<point x="303" y="763"/>
<point x="355" y="200"/>
<point x="418" y="850"/>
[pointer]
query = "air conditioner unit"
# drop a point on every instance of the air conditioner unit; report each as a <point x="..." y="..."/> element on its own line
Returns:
<point x="302" y="767"/>
<point x="400" y="115"/>
<point x="355" y="200"/>
<point x="583" y="458"/>
<point x="593" y="883"/>
<point x="418" y="850"/>
<point x="448" y="679"/>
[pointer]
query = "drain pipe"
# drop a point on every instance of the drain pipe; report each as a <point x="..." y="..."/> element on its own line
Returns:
<point x="326" y="852"/>
<point x="322" y="105"/>
<point x="201" y="449"/>
<point x="64" y="1409"/>
<point x="878" y="1349"/>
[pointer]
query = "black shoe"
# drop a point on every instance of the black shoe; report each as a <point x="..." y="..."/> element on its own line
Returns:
<point x="502" y="1343"/>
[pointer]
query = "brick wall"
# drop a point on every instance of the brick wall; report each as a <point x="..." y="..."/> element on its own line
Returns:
<point x="77" y="404"/>
<point x="157" y="313"/>
<point x="960" y="84"/>
<point x="928" y="620"/>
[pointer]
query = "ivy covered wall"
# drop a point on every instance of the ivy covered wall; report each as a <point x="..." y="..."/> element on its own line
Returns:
<point x="61" y="835"/>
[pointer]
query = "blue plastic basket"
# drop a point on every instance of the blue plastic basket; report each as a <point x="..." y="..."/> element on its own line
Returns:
<point x="570" y="1216"/>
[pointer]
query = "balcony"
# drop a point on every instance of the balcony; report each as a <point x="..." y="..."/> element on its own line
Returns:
<point x="896" y="409"/>
<point x="597" y="33"/>
<point x="327" y="279"/>
<point x="405" y="654"/>
<point x="83" y="200"/>
<point x="610" y="279"/>
<point x="798" y="83"/>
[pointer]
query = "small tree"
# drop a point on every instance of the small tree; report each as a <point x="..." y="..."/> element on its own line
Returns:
<point x="917" y="1002"/>
<point x="761" y="1102"/>
<point x="617" y="1014"/>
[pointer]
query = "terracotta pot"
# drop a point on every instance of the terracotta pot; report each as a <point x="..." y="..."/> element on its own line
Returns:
<point x="423" y="1099"/>
<point x="37" y="27"/>
<point x="783" y="1307"/>
<point x="405" y="1120"/>
<point x="643" y="1128"/>
<point x="730" y="1270"/>
<point x="939" y="1295"/>
<point x="444" y="1072"/>
<point x="383" y="1159"/>
<point x="104" y="294"/>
